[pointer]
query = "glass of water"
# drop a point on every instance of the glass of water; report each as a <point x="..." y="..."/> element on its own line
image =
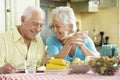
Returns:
<point x="85" y="35"/>
<point x="30" y="66"/>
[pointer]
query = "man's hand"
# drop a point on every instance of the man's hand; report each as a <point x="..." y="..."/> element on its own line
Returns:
<point x="47" y="58"/>
<point x="8" y="68"/>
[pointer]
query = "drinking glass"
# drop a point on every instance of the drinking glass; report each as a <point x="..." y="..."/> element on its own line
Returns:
<point x="30" y="66"/>
<point x="85" y="34"/>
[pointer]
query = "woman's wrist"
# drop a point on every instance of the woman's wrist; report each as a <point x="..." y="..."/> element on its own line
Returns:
<point x="82" y="46"/>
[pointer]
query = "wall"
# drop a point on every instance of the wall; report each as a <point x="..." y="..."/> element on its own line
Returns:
<point x="2" y="16"/>
<point x="19" y="8"/>
<point x="106" y="19"/>
<point x="11" y="10"/>
<point x="119" y="25"/>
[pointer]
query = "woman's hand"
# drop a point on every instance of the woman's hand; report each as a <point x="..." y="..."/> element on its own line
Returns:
<point x="8" y="68"/>
<point x="77" y="39"/>
<point x="83" y="36"/>
<point x="70" y="42"/>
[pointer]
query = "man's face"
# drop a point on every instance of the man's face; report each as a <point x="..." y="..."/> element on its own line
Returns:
<point x="32" y="26"/>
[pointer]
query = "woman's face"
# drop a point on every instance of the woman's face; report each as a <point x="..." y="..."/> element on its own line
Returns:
<point x="60" y="29"/>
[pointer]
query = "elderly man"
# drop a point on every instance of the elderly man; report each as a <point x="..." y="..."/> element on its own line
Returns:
<point x="22" y="43"/>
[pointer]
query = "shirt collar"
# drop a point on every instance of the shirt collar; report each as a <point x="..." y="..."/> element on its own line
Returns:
<point x="17" y="36"/>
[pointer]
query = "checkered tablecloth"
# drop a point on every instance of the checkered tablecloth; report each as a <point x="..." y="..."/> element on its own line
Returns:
<point x="44" y="76"/>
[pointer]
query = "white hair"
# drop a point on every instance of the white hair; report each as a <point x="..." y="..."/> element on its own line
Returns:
<point x="30" y="9"/>
<point x="65" y="15"/>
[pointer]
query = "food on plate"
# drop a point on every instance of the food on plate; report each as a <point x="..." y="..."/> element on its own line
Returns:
<point x="41" y="68"/>
<point x="56" y="64"/>
<point x="77" y="61"/>
<point x="57" y="61"/>
<point x="79" y="66"/>
<point x="105" y="65"/>
<point x="55" y="67"/>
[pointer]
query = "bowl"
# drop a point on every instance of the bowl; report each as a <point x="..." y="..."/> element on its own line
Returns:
<point x="84" y="68"/>
<point x="105" y="65"/>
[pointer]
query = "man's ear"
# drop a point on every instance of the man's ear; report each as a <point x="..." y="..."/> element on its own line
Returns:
<point x="22" y="18"/>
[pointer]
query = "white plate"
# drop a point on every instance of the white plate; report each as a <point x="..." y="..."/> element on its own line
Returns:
<point x="58" y="71"/>
<point x="23" y="71"/>
<point x="20" y="71"/>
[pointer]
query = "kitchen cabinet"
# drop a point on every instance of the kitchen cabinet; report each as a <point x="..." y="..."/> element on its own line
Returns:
<point x="92" y="5"/>
<point x="86" y="6"/>
<point x="107" y="3"/>
<point x="11" y="10"/>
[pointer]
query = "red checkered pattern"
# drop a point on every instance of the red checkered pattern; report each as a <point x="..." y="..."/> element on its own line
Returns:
<point x="44" y="76"/>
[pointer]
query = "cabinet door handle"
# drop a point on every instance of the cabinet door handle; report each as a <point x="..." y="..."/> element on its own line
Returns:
<point x="8" y="10"/>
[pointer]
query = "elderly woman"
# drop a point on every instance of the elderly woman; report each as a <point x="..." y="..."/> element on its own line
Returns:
<point x="66" y="43"/>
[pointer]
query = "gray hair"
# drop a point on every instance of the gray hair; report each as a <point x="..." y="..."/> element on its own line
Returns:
<point x="30" y="9"/>
<point x="65" y="15"/>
